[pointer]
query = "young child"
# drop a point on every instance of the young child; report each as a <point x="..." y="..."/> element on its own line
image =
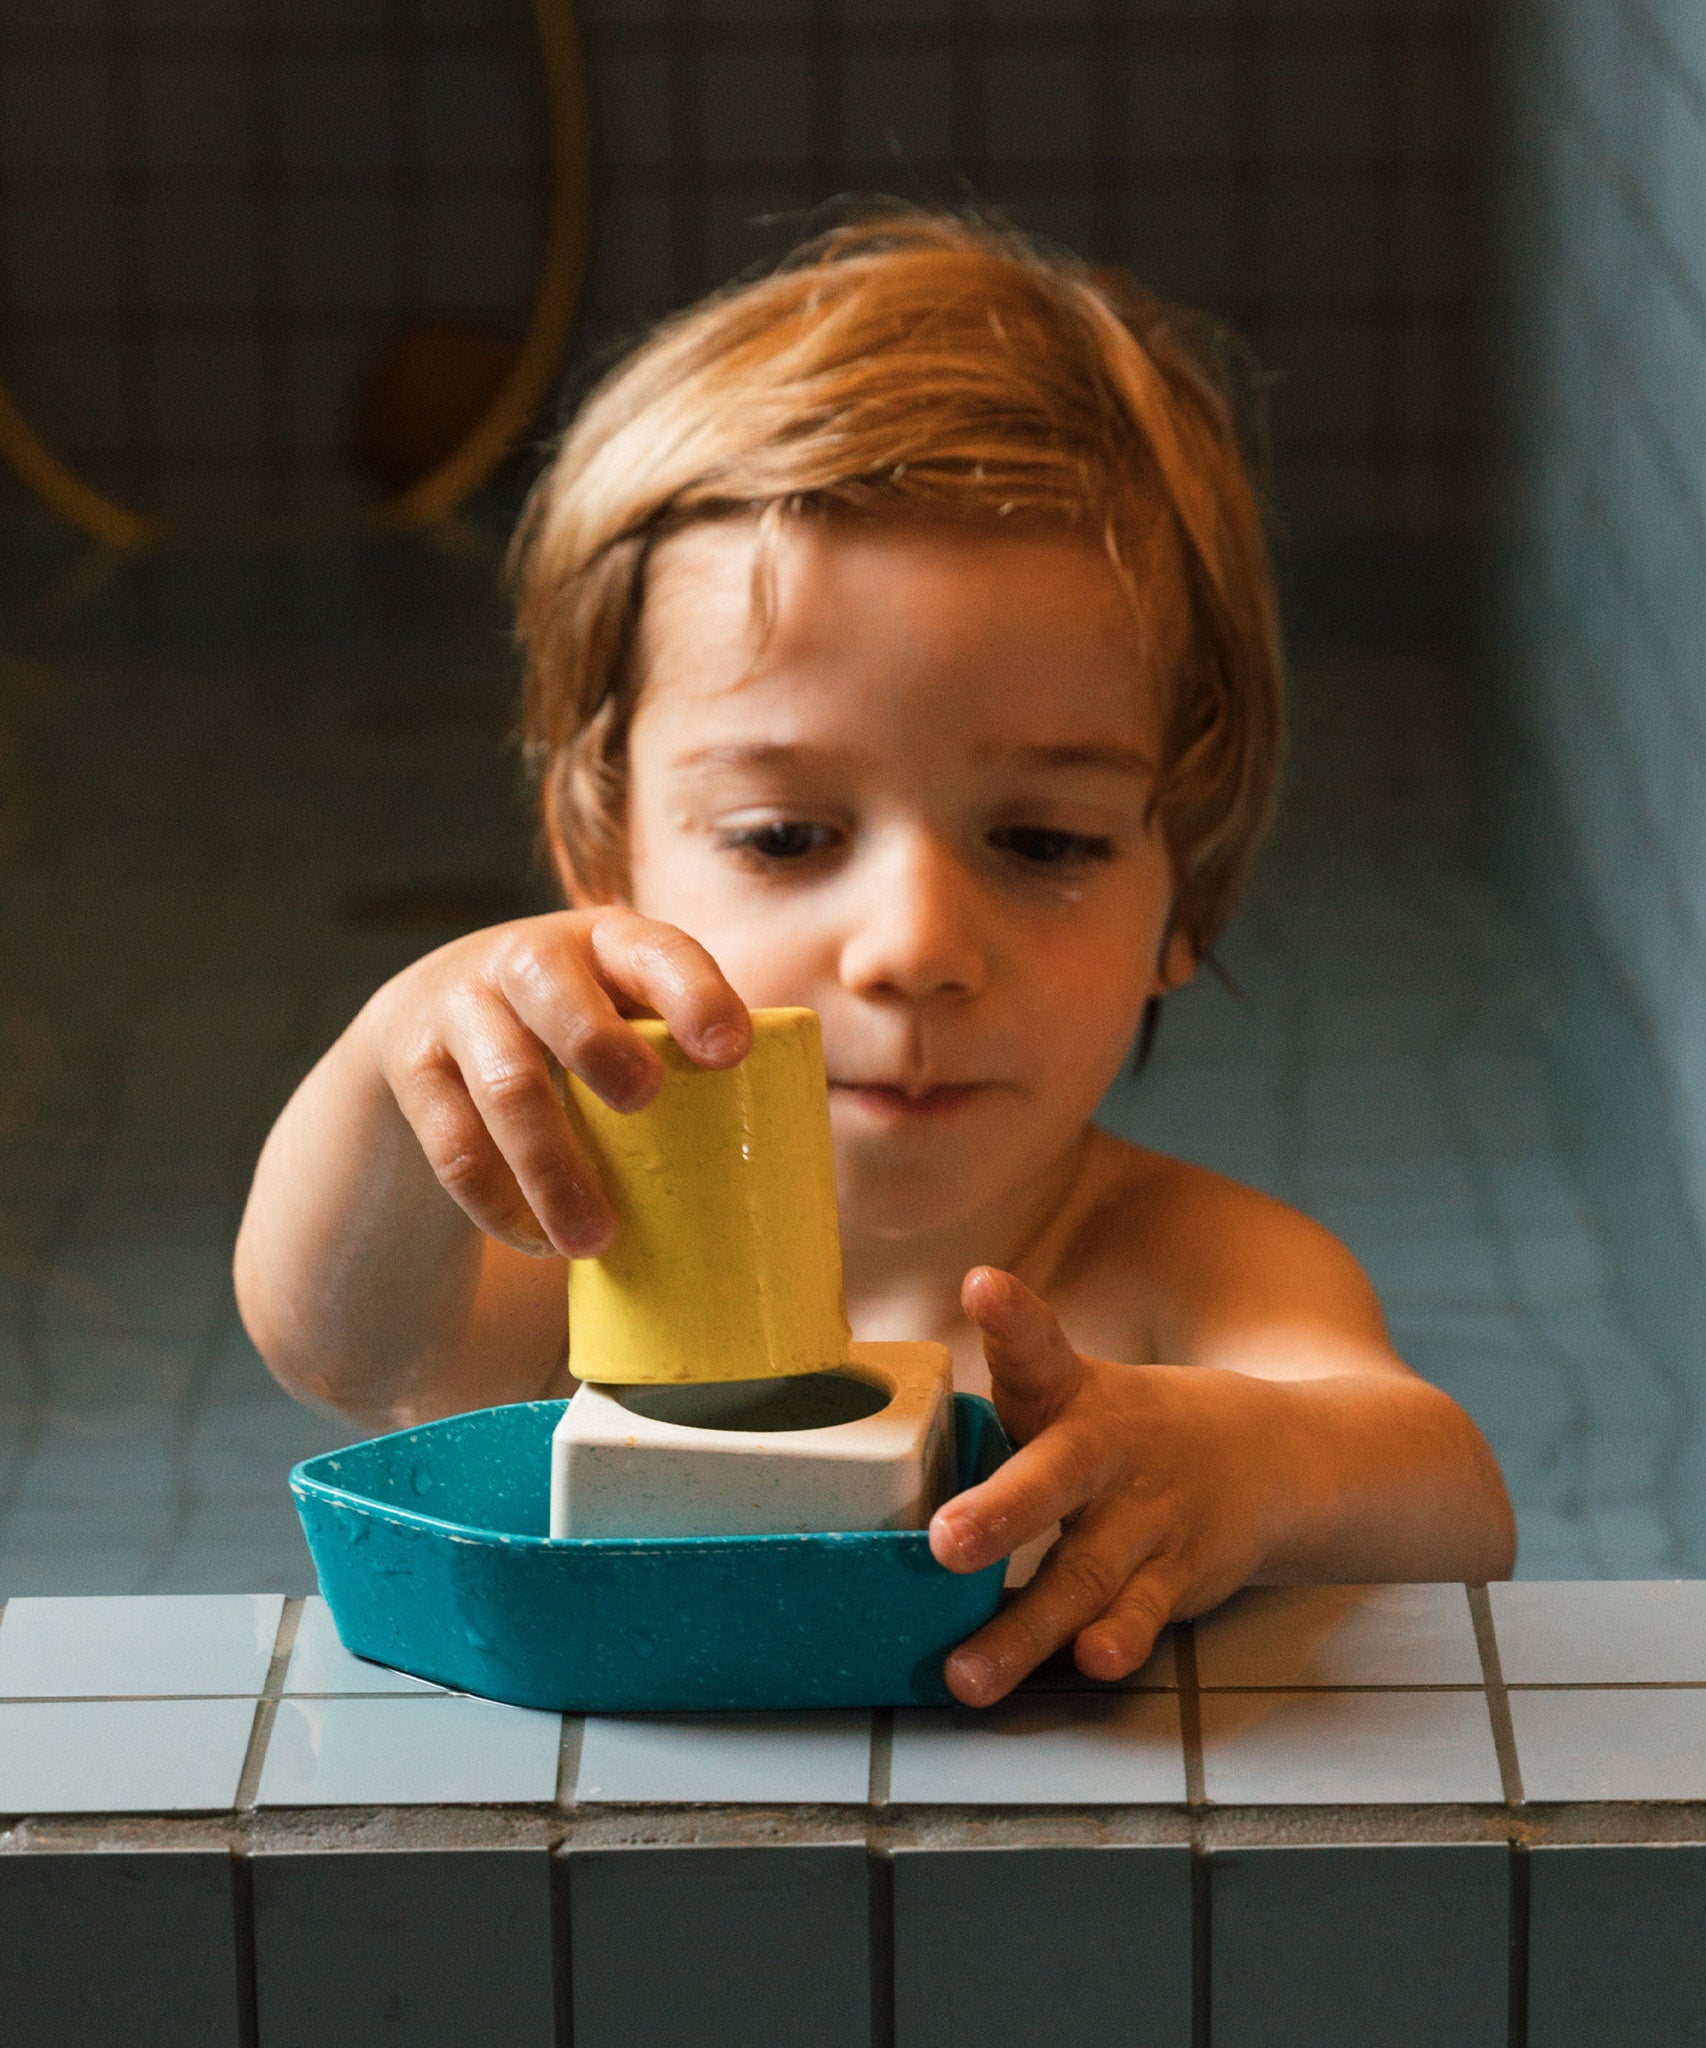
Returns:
<point x="900" y="643"/>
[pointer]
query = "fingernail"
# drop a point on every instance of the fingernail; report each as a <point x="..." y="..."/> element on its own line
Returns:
<point x="951" y="1543"/>
<point x="590" y="1237"/>
<point x="632" y="1087"/>
<point x="722" y="1042"/>
<point x="975" y="1675"/>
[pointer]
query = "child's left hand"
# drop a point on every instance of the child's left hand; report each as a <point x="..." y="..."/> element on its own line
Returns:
<point x="1168" y="1480"/>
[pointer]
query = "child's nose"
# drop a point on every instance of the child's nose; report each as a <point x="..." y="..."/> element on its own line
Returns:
<point x="917" y="932"/>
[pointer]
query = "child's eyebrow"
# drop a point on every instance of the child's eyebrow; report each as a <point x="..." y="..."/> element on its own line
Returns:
<point x="739" y="754"/>
<point x="1109" y="754"/>
<point x="1132" y="762"/>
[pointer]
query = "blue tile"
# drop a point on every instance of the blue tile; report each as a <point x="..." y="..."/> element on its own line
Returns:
<point x="123" y="1756"/>
<point x="1614" y="1949"/>
<point x="1304" y="1636"/>
<point x="1068" y="1750"/>
<point x="707" y="1758"/>
<point x="160" y="1645"/>
<point x="1611" y="1743"/>
<point x="721" y="1947"/>
<point x="1405" y="1947"/>
<point x="1609" y="1632"/>
<point x="319" y="1663"/>
<point x="1041" y="1948"/>
<point x="119" y="1947"/>
<point x="447" y="1948"/>
<point x="448" y="1751"/>
<point x="1349" y="1748"/>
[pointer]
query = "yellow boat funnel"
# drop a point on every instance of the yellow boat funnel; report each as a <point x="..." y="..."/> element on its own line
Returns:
<point x="726" y="1264"/>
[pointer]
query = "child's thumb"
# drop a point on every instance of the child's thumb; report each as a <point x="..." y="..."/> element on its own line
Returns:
<point x="1030" y="1361"/>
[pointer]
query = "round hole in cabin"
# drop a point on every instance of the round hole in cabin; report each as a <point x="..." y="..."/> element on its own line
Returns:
<point x="811" y="1400"/>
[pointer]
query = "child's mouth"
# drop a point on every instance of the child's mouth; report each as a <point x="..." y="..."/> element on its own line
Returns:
<point x="905" y="1105"/>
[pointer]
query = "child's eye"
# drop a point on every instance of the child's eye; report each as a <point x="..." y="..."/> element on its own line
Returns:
<point x="784" y="840"/>
<point x="1042" y="846"/>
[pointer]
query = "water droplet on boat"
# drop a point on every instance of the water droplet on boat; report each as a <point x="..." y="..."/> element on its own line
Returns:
<point x="479" y="1641"/>
<point x="642" y="1646"/>
<point x="420" y="1479"/>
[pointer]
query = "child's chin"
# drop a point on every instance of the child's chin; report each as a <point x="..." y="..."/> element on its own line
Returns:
<point x="900" y="1190"/>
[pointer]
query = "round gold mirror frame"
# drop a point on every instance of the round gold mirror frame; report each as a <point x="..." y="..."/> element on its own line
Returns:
<point x="437" y="495"/>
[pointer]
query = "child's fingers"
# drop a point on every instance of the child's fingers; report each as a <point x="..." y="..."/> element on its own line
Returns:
<point x="1043" y="1482"/>
<point x="526" y="1142"/>
<point x="1079" y="1580"/>
<point x="555" y="993"/>
<point x="1120" y="1638"/>
<point x="661" y="967"/>
<point x="457" y="1146"/>
<point x="1030" y="1360"/>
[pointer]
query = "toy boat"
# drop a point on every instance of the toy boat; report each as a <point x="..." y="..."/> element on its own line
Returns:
<point x="433" y="1554"/>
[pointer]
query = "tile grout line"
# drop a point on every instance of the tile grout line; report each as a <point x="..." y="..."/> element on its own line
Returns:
<point x="243" y="1933"/>
<point x="562" y="1949"/>
<point x="879" y="1879"/>
<point x="1247" y="1691"/>
<point x="569" y="1758"/>
<point x="882" y="1756"/>
<point x="108" y="1699"/>
<point x="1196" y="1798"/>
<point x="266" y="1707"/>
<point x="1498" y="1700"/>
<point x="1190" y="1713"/>
<point x="1517" y="1996"/>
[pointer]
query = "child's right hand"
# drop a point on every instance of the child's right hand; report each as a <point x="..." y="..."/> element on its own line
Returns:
<point x="468" y="1040"/>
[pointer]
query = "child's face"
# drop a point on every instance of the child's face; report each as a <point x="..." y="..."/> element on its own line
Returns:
<point x="918" y="808"/>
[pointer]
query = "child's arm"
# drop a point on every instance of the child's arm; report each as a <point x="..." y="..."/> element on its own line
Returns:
<point x="401" y="1253"/>
<point x="1288" y="1443"/>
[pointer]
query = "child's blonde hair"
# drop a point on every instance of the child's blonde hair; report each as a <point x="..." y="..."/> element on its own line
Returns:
<point x="916" y="365"/>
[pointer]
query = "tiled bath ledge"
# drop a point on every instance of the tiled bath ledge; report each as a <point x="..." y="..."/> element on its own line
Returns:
<point x="1371" y="1816"/>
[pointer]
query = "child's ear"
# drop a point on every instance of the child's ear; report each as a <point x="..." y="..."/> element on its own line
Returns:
<point x="1176" y="965"/>
<point x="563" y="868"/>
<point x="577" y="893"/>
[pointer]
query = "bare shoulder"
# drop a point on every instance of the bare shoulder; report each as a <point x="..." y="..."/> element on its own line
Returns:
<point x="1192" y="1255"/>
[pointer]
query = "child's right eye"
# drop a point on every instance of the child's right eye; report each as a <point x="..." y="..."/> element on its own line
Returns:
<point x="784" y="840"/>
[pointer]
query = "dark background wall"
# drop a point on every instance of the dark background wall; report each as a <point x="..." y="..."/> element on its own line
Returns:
<point x="1307" y="169"/>
<point x="212" y="213"/>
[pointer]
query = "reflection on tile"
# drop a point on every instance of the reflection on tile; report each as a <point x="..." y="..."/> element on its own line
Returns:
<point x="1299" y="1636"/>
<point x="1003" y="1944"/>
<point x="1066" y="1751"/>
<point x="126" y="1647"/>
<point x="1351" y="1748"/>
<point x="430" y="1948"/>
<point x="1613" y="1632"/>
<point x="1059" y="1674"/>
<point x="1614" y="1933"/>
<point x="447" y="1751"/>
<point x="707" y="1758"/>
<point x="319" y="1663"/>
<point x="1611" y="1744"/>
<point x="148" y="1936"/>
<point x="123" y="1756"/>
<point x="1297" y="1932"/>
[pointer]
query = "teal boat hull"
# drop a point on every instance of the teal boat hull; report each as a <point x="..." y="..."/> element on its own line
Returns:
<point x="433" y="1554"/>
